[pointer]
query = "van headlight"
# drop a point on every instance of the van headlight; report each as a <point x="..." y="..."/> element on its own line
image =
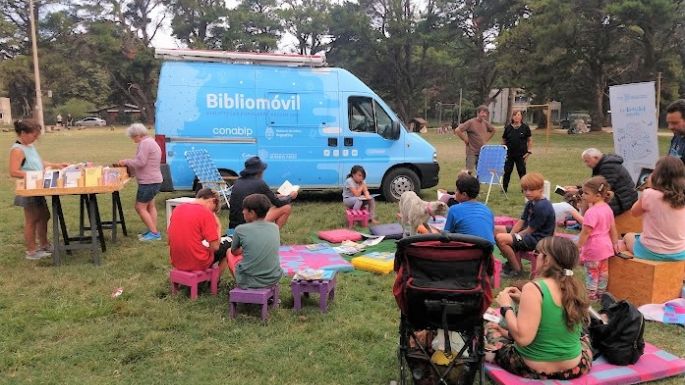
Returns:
<point x="435" y="157"/>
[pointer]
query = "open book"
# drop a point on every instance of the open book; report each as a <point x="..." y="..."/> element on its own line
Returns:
<point x="287" y="187"/>
<point x="560" y="190"/>
<point x="371" y="196"/>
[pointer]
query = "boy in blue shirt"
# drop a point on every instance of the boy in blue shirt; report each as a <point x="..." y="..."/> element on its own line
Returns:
<point x="470" y="216"/>
<point x="537" y="222"/>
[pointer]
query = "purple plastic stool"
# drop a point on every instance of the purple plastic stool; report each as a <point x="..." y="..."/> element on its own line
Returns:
<point x="361" y="216"/>
<point x="193" y="278"/>
<point x="325" y="288"/>
<point x="256" y="296"/>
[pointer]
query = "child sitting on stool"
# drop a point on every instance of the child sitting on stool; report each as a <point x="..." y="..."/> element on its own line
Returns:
<point x="356" y="194"/>
<point x="253" y="259"/>
<point x="537" y="222"/>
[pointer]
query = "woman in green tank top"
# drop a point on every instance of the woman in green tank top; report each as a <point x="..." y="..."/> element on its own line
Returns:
<point x="544" y="338"/>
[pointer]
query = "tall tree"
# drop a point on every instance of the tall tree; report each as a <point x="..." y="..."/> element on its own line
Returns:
<point x="198" y="23"/>
<point x="307" y="20"/>
<point x="253" y="26"/>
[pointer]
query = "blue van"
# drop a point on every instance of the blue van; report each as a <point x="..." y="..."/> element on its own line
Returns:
<point x="310" y="123"/>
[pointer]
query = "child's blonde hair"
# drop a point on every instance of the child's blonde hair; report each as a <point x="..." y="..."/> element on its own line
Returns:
<point x="533" y="181"/>
<point x="669" y="178"/>
<point x="599" y="185"/>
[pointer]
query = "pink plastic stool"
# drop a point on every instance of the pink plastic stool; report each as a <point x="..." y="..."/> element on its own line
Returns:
<point x="529" y="256"/>
<point x="361" y="216"/>
<point x="193" y="278"/>
<point x="496" y="272"/>
<point x="255" y="296"/>
<point x="505" y="221"/>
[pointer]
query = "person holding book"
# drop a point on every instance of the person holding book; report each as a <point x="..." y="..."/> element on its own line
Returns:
<point x="519" y="141"/>
<point x="251" y="182"/>
<point x="147" y="172"/>
<point x="253" y="259"/>
<point x="470" y="216"/>
<point x="537" y="221"/>
<point x="24" y="158"/>
<point x="662" y="207"/>
<point x="356" y="193"/>
<point x="194" y="231"/>
<point x="610" y="166"/>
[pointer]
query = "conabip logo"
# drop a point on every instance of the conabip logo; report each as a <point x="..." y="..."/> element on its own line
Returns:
<point x="269" y="133"/>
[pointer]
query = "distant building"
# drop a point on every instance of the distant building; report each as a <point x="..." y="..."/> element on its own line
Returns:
<point x="118" y="114"/>
<point x="499" y="107"/>
<point x="5" y="111"/>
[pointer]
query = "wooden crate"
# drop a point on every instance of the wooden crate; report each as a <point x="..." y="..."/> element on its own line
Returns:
<point x="641" y="281"/>
<point x="627" y="223"/>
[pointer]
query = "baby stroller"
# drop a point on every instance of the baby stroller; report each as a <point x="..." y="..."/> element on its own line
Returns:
<point x="443" y="282"/>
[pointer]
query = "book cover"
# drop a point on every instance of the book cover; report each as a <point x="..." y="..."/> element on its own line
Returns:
<point x="71" y="178"/>
<point x="380" y="255"/>
<point x="110" y="175"/>
<point x="93" y="175"/>
<point x="287" y="187"/>
<point x="50" y="178"/>
<point x="560" y="190"/>
<point x="34" y="179"/>
<point x="317" y="246"/>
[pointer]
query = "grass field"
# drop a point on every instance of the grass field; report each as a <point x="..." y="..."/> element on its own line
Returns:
<point x="59" y="325"/>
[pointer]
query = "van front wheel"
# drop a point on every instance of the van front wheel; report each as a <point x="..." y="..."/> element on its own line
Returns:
<point x="397" y="182"/>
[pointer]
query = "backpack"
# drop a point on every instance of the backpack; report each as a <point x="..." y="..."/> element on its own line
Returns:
<point x="620" y="340"/>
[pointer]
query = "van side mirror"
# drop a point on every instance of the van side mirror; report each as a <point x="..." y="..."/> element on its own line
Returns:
<point x="395" y="130"/>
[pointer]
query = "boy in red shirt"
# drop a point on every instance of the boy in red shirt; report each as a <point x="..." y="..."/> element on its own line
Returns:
<point x="190" y="225"/>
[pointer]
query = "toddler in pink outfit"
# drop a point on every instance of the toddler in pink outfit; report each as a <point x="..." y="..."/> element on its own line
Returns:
<point x="598" y="237"/>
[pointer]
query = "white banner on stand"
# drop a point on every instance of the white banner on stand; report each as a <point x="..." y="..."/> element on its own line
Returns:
<point x="633" y="118"/>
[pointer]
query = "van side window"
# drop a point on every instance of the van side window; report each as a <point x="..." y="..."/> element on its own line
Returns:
<point x="360" y="113"/>
<point x="365" y="115"/>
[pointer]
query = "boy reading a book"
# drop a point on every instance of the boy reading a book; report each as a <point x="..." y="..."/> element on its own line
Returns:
<point x="253" y="258"/>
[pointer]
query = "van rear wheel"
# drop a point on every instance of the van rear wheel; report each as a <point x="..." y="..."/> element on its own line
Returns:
<point x="397" y="182"/>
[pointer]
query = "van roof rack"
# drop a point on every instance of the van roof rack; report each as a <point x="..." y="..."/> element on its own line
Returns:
<point x="241" y="57"/>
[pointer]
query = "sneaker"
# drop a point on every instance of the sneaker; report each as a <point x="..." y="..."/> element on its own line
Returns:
<point x="49" y="248"/>
<point x="150" y="236"/>
<point x="36" y="255"/>
<point x="142" y="235"/>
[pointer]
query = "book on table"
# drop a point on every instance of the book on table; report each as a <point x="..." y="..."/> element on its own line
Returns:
<point x="33" y="179"/>
<point x="71" y="178"/>
<point x="93" y="176"/>
<point x="287" y="188"/>
<point x="50" y="178"/>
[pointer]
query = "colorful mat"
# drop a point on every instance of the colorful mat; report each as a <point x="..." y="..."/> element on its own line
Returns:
<point x="655" y="364"/>
<point x="298" y="257"/>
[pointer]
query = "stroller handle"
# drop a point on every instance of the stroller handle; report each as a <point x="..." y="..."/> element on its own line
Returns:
<point x="446" y="237"/>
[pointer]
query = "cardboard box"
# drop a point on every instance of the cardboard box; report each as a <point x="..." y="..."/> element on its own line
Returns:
<point x="641" y="281"/>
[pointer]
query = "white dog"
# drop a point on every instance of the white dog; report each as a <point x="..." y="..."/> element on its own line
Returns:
<point x="414" y="211"/>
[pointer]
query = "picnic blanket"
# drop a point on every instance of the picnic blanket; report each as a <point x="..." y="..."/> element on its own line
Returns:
<point x="298" y="257"/>
<point x="655" y="364"/>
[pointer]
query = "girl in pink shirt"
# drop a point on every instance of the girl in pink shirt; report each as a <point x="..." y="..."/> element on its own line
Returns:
<point x="662" y="207"/>
<point x="598" y="238"/>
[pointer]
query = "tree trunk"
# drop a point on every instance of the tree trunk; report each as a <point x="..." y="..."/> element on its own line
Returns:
<point x="597" y="112"/>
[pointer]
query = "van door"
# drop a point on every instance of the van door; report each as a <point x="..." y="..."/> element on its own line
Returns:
<point x="300" y="138"/>
<point x="367" y="138"/>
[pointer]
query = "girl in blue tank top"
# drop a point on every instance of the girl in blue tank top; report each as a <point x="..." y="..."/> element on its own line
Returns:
<point x="543" y="340"/>
<point x="24" y="157"/>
